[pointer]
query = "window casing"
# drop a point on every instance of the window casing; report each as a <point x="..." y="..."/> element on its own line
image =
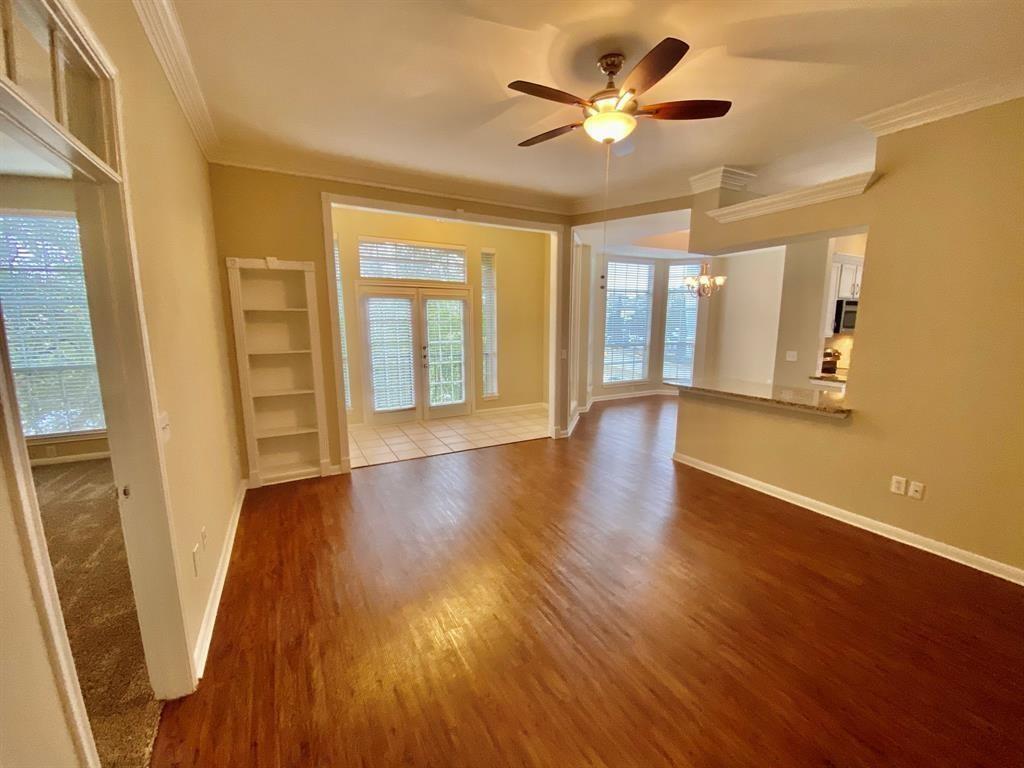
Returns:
<point x="341" y="325"/>
<point x="489" y="323"/>
<point x="398" y="260"/>
<point x="627" y="330"/>
<point x="46" y="314"/>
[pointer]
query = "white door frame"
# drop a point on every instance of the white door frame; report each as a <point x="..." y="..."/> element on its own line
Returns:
<point x="559" y="237"/>
<point x="126" y="379"/>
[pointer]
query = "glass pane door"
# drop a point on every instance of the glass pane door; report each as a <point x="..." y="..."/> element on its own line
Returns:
<point x="390" y="333"/>
<point x="445" y="335"/>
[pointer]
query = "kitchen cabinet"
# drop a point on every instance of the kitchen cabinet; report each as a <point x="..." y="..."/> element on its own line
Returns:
<point x="849" y="280"/>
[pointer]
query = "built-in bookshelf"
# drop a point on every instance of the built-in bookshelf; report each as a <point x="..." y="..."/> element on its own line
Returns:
<point x="277" y="343"/>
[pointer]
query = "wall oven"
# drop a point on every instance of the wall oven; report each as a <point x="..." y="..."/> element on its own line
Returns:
<point x="845" y="317"/>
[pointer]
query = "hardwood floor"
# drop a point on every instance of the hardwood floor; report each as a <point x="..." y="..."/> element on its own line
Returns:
<point x="587" y="602"/>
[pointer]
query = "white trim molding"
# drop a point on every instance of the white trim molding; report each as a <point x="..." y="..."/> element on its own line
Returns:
<point x="916" y="540"/>
<point x="850" y="186"/>
<point x="163" y="28"/>
<point x="510" y="409"/>
<point x="628" y="395"/>
<point x="722" y="177"/>
<point x="949" y="102"/>
<point x="205" y="635"/>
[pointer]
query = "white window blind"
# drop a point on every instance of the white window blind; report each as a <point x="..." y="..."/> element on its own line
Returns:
<point x="489" y="313"/>
<point x="46" y="314"/>
<point x="627" y="321"/>
<point x="392" y="353"/>
<point x="680" y="324"/>
<point x="446" y="351"/>
<point x="341" y="324"/>
<point x="405" y="261"/>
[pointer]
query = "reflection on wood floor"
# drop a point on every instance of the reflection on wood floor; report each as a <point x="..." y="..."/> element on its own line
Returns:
<point x="587" y="602"/>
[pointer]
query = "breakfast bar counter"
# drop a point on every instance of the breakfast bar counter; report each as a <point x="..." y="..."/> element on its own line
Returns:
<point x="818" y="402"/>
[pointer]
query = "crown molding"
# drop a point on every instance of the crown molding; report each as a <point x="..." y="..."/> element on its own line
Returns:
<point x="850" y="186"/>
<point x="362" y="182"/>
<point x="160" y="21"/>
<point x="722" y="177"/>
<point x="949" y="102"/>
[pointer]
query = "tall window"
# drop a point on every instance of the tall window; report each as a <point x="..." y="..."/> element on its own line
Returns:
<point x="46" y="313"/>
<point x="627" y="321"/>
<point x="408" y="261"/>
<point x="341" y="324"/>
<point x="680" y="324"/>
<point x="489" y="313"/>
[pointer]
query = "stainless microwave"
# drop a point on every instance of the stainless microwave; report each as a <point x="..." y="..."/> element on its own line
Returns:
<point x="846" y="316"/>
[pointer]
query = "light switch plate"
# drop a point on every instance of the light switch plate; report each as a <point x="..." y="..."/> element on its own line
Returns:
<point x="915" y="490"/>
<point x="791" y="356"/>
<point x="898" y="485"/>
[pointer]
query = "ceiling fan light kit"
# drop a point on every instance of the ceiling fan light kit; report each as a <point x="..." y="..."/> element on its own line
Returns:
<point x="610" y="115"/>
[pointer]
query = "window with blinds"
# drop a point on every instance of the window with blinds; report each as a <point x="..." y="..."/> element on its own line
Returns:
<point x="680" y="324"/>
<point x="627" y="321"/>
<point x="489" y="319"/>
<point x="341" y="324"/>
<point x="392" y="352"/>
<point x="394" y="260"/>
<point x="46" y="314"/>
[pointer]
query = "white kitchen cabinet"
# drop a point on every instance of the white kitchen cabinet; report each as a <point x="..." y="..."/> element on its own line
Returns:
<point x="849" y="280"/>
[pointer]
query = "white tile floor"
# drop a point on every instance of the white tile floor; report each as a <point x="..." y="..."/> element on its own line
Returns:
<point x="415" y="439"/>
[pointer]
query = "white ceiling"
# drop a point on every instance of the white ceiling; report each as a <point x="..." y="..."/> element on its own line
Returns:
<point x="402" y="92"/>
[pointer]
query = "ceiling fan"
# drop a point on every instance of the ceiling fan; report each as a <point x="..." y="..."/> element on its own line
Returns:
<point x="610" y="114"/>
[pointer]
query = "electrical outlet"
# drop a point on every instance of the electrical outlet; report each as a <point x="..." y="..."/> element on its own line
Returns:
<point x="916" y="490"/>
<point x="202" y="535"/>
<point x="898" y="485"/>
<point x="791" y="356"/>
<point x="195" y="561"/>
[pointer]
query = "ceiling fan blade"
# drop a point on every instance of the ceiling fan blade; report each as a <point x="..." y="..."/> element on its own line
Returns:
<point x="694" y="109"/>
<point x="658" y="62"/>
<point x="551" y="94"/>
<point x="552" y="134"/>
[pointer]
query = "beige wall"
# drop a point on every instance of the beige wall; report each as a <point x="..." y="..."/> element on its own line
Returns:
<point x="800" y="324"/>
<point x="949" y="202"/>
<point x="743" y="320"/>
<point x="521" y="265"/>
<point x="180" y="276"/>
<point x="262" y="213"/>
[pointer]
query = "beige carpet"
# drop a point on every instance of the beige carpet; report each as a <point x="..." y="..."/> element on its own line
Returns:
<point x="83" y="533"/>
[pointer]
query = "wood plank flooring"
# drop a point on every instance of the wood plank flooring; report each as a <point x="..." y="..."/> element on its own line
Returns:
<point x="587" y="602"/>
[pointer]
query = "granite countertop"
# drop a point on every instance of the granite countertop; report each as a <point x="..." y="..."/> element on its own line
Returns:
<point x="821" y="402"/>
<point x="839" y="377"/>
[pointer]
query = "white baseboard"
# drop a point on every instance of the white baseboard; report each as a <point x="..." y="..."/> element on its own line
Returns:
<point x="916" y="540"/>
<point x="46" y="461"/>
<point x="627" y="395"/>
<point x="219" y="577"/>
<point x="341" y="468"/>
<point x="563" y="433"/>
<point x="509" y="409"/>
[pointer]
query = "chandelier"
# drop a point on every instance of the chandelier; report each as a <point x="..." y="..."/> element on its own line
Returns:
<point x="705" y="284"/>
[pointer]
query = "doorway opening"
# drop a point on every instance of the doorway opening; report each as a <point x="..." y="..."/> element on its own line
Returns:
<point x="441" y="328"/>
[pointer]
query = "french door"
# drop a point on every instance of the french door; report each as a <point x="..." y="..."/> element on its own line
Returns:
<point x="418" y="353"/>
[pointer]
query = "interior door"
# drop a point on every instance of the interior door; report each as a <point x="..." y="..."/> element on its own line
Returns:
<point x="445" y="353"/>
